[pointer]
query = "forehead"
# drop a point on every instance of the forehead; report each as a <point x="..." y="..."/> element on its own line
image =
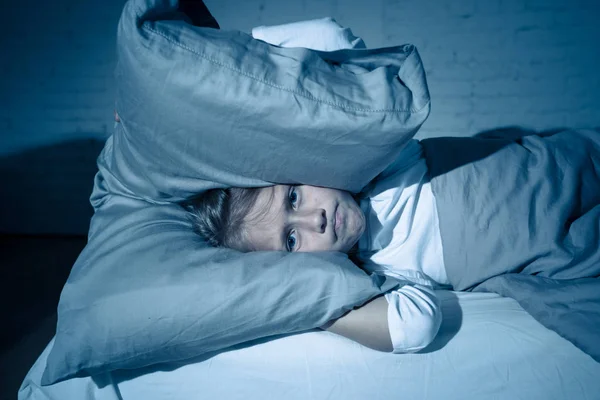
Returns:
<point x="264" y="223"/>
<point x="262" y="211"/>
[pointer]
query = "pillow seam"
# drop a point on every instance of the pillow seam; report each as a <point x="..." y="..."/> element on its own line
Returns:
<point x="331" y="104"/>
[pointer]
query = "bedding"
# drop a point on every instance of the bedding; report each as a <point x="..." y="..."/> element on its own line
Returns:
<point x="202" y="108"/>
<point x="488" y="348"/>
<point x="323" y="34"/>
<point x="521" y="217"/>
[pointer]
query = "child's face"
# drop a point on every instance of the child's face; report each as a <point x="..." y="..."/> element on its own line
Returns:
<point x="304" y="218"/>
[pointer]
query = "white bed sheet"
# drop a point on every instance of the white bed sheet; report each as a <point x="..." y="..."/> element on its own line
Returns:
<point x="488" y="348"/>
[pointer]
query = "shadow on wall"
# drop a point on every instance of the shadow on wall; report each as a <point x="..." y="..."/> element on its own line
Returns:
<point x="46" y="190"/>
<point x="44" y="220"/>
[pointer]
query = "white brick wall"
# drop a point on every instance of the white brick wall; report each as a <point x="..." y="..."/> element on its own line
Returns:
<point x="57" y="63"/>
<point x="490" y="63"/>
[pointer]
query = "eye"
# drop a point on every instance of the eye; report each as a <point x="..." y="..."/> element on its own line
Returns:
<point x="293" y="196"/>
<point x="291" y="241"/>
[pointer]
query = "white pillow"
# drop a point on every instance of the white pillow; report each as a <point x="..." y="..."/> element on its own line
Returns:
<point x="323" y="34"/>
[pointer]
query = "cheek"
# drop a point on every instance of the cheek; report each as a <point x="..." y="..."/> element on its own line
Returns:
<point x="316" y="242"/>
<point x="320" y="196"/>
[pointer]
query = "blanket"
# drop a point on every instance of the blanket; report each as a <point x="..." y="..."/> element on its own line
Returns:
<point x="521" y="217"/>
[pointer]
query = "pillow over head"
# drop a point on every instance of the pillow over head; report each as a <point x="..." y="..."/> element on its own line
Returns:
<point x="202" y="108"/>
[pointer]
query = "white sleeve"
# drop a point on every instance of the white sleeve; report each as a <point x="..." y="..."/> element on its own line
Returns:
<point x="414" y="317"/>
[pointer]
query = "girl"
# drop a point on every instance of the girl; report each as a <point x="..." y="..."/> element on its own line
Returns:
<point x="519" y="216"/>
<point x="391" y="229"/>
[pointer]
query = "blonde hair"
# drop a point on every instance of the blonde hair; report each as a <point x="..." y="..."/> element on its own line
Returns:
<point x="219" y="216"/>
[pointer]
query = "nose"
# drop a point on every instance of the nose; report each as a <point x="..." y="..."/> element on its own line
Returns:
<point x="314" y="220"/>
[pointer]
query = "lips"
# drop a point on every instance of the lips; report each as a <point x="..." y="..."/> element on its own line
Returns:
<point x="338" y="220"/>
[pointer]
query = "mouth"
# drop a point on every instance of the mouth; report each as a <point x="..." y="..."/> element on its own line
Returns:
<point x="337" y="222"/>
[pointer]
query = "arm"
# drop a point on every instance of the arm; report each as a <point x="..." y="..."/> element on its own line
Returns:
<point x="367" y="325"/>
<point x="403" y="321"/>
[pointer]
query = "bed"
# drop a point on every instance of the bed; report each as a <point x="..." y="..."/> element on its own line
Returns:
<point x="488" y="348"/>
<point x="126" y="329"/>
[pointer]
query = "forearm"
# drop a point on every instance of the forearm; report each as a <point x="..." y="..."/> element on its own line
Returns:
<point x="404" y="321"/>
<point x="367" y="325"/>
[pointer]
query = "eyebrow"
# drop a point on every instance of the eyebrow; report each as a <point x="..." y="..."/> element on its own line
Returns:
<point x="284" y="234"/>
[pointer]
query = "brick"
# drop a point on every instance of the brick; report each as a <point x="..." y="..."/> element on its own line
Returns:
<point x="490" y="63"/>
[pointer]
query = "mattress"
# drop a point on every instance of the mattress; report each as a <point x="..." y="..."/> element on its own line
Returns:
<point x="488" y="348"/>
